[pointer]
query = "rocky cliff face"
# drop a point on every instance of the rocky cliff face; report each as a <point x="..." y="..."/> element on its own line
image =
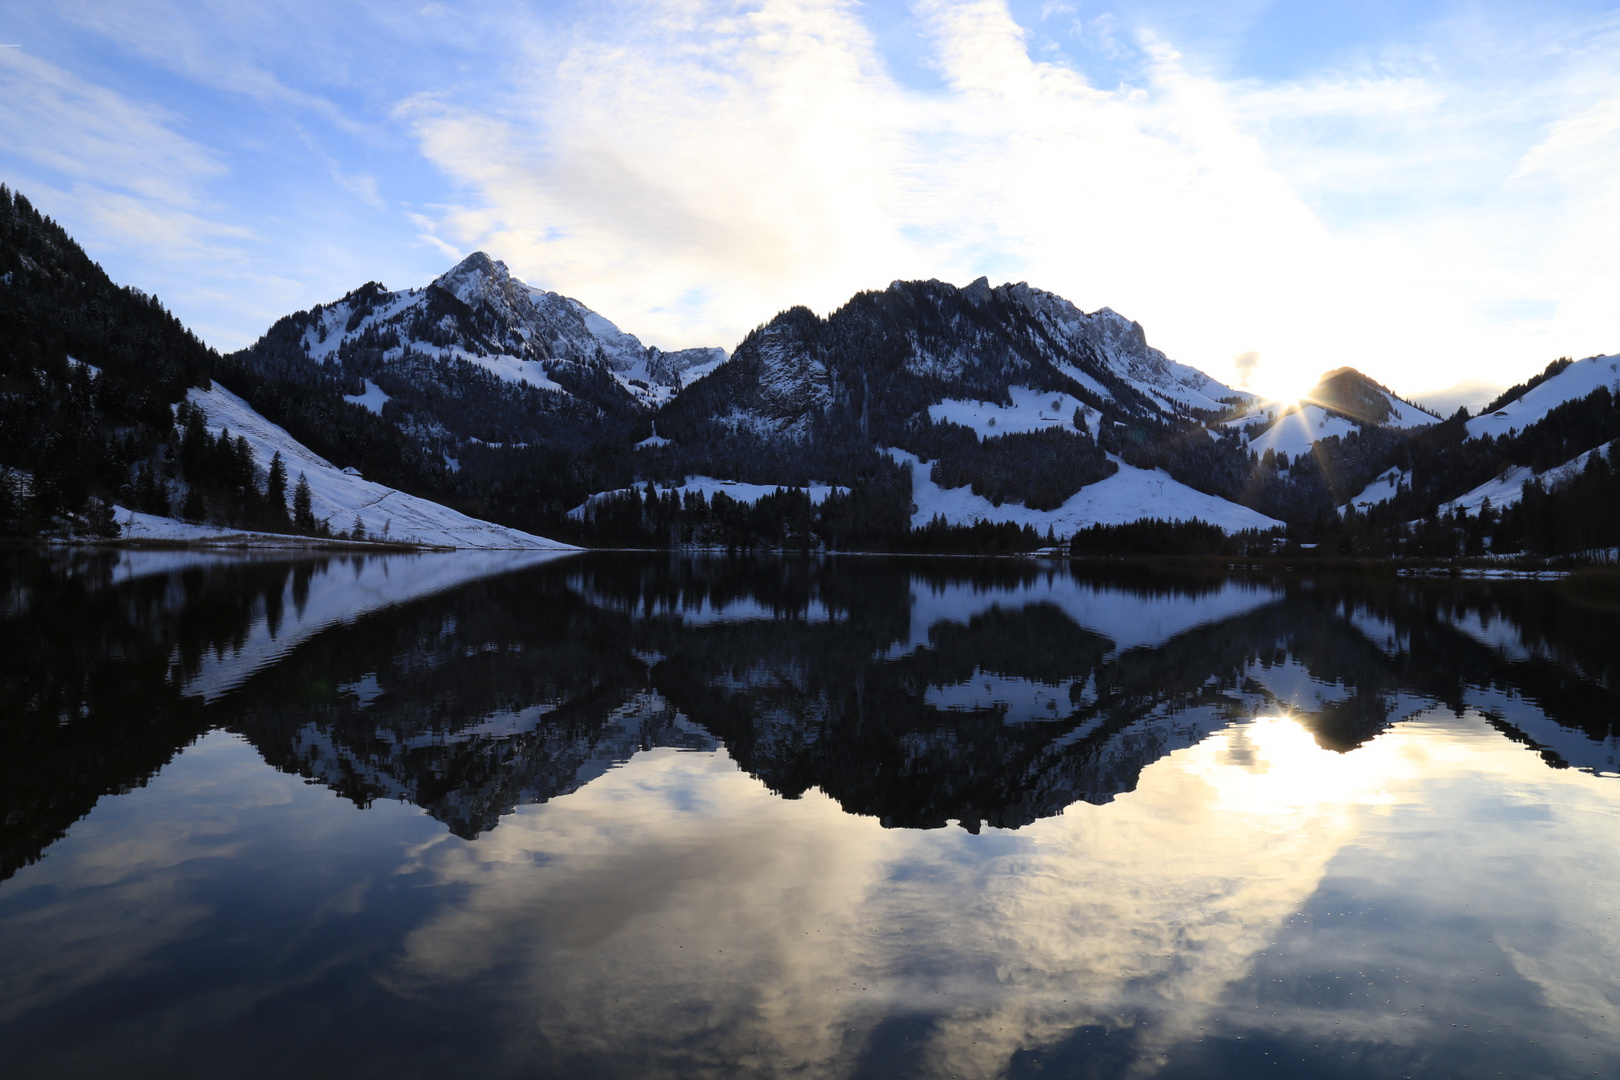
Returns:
<point x="885" y="357"/>
<point x="541" y="326"/>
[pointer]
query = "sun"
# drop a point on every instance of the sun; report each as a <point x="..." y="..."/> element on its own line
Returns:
<point x="1286" y="388"/>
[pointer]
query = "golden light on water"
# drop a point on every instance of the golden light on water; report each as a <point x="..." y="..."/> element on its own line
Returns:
<point x="1273" y="765"/>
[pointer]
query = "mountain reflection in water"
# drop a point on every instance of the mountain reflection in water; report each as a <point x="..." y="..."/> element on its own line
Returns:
<point x="689" y="817"/>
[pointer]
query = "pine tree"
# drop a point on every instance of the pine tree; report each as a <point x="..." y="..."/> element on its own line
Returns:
<point x="303" y="512"/>
<point x="359" y="530"/>
<point x="275" y="491"/>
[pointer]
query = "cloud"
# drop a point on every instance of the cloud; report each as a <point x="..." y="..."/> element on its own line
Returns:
<point x="90" y="134"/>
<point x="691" y="167"/>
<point x="1246" y="364"/>
<point x="754" y="151"/>
<point x="762" y="155"/>
<point x="224" y="45"/>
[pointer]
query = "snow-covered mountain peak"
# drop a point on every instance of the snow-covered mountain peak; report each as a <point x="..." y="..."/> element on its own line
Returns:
<point x="572" y="374"/>
<point x="476" y="279"/>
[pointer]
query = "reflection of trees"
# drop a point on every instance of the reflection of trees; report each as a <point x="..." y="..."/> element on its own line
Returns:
<point x="802" y="705"/>
<point x="505" y="691"/>
<point x="90" y="703"/>
<point x="521" y="687"/>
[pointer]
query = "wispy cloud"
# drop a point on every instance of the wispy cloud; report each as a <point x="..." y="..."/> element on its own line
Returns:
<point x="88" y="133"/>
<point x="764" y="152"/>
<point x="1430" y="204"/>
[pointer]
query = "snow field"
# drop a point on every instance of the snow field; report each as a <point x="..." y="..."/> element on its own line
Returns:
<point x="1031" y="410"/>
<point x="1508" y="487"/>
<point x="1571" y="384"/>
<point x="338" y="498"/>
<point x="1295" y="433"/>
<point x="1407" y="416"/>
<point x="1381" y="489"/>
<point x="371" y="398"/>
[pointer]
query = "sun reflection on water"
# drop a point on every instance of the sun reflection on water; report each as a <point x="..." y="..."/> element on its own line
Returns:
<point x="1274" y="765"/>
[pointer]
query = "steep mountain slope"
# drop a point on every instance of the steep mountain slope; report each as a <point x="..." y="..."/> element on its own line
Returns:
<point x="340" y="500"/>
<point x="1571" y="383"/>
<point x="1010" y="391"/>
<point x="88" y="374"/>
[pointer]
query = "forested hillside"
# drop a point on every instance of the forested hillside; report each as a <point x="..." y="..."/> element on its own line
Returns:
<point x="920" y="417"/>
<point x="89" y="373"/>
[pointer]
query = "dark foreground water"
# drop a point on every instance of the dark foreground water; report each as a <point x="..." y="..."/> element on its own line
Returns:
<point x="493" y="815"/>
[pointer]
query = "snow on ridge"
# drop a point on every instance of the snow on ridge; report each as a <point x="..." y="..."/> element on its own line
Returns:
<point x="1124" y="348"/>
<point x="1131" y="494"/>
<point x="338" y="498"/>
<point x="1573" y="383"/>
<point x="534" y="327"/>
<point x="1406" y="415"/>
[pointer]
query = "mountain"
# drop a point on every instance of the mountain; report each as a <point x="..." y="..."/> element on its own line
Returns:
<point x="340" y="500"/>
<point x="111" y="420"/>
<point x="477" y="356"/>
<point x="885" y="358"/>
<point x="1010" y="400"/>
<point x="1552" y="436"/>
<point x="1563" y="381"/>
<point x="89" y="374"/>
<point x="1342" y="401"/>
<point x="481" y="410"/>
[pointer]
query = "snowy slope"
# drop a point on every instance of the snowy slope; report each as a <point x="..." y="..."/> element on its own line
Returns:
<point x="1381" y="489"/>
<point x="1341" y="402"/>
<point x="372" y="399"/>
<point x="1121" y="345"/>
<point x="1404" y="415"/>
<point x="338" y="497"/>
<point x="1507" y="488"/>
<point x="1131" y="494"/>
<point x="1571" y="384"/>
<point x="1031" y="410"/>
<point x="1296" y="431"/>
<point x="134" y="525"/>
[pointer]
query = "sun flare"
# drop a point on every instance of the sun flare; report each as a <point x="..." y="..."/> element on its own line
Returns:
<point x="1273" y="765"/>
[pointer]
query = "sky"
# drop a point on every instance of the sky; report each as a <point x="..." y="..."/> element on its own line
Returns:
<point x="1427" y="191"/>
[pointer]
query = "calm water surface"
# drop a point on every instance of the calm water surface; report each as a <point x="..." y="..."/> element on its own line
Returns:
<point x="495" y="815"/>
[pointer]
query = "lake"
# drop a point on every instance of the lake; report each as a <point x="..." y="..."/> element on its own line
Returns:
<point x="633" y="815"/>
